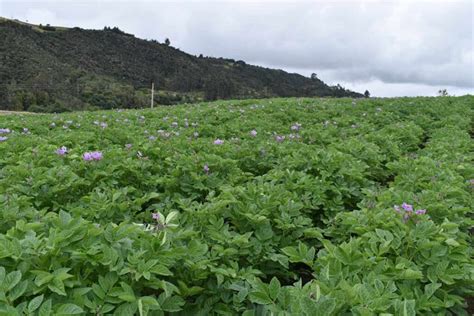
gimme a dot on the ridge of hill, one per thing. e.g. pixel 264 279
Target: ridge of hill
pixel 50 68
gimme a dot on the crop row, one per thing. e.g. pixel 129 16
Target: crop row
pixel 285 206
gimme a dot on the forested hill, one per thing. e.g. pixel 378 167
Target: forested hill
pixel 46 68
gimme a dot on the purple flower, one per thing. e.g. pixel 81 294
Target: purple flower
pixel 152 138
pixel 279 138
pixel 218 142
pixel 3 138
pixel 206 168
pixel 5 131
pixel 155 216
pixel 87 156
pixel 253 133
pixel 94 155
pixel 103 124
pixel 420 212
pixel 128 146
pixel 97 155
pixel 62 151
pixel 407 207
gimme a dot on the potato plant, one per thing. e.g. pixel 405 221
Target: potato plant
pixel 256 207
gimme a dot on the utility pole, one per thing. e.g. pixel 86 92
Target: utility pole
pixel 152 91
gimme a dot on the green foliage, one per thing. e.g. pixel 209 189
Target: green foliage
pixel 304 226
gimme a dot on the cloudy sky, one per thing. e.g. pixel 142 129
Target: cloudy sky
pixel 391 48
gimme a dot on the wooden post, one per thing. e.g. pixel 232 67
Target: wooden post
pixel 152 92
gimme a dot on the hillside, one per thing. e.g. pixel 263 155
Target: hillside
pixel 45 68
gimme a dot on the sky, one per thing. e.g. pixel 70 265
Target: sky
pixel 391 48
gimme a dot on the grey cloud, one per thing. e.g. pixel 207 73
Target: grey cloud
pixel 427 43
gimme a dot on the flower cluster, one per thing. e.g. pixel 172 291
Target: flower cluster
pixel 253 133
pixel 62 151
pixel 296 127
pixel 279 138
pixel 5 131
pixel 407 211
pixel 94 155
pixel 218 142
pixel 3 138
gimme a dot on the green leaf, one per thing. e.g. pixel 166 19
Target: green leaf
pixel 431 288
pixel 410 274
pixel 126 309
pixel 452 242
pixel 309 306
pixel 326 306
pixel 42 277
pixel 274 288
pixel 45 309
pixel 21 308
pixel 98 291
pixel 161 270
pixel 106 308
pixel 2 274
pixel 140 307
pixel 172 304
pixel 260 298
pixel 9 311
pixel 69 309
pixel 409 308
pixel 57 286
pixel 107 282
pixel 18 290
pixel 11 280
pixel 64 217
pixel 35 303
pixel 127 295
